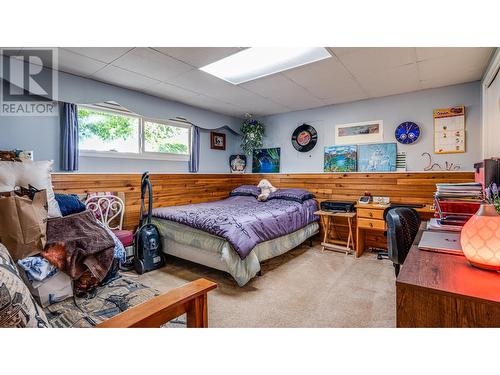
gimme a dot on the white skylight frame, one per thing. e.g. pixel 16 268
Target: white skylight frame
pixel 257 62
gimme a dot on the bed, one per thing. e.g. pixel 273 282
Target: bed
pixel 236 234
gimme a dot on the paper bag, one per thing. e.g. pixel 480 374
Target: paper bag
pixel 23 224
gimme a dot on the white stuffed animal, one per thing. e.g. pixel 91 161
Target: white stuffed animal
pixel 265 189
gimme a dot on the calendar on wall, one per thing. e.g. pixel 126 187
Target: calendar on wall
pixel 449 130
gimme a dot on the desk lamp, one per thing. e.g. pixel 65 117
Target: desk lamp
pixel 480 238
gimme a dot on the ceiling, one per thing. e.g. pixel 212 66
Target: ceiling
pixel 350 74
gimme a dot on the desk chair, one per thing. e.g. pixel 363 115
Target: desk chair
pixel 402 227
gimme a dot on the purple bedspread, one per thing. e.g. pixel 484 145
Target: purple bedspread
pixel 243 221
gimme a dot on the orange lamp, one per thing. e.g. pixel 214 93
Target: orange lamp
pixel 480 238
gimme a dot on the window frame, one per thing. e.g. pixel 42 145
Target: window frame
pixel 161 155
pixel 142 154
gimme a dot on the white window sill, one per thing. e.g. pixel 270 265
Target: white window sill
pixel 143 156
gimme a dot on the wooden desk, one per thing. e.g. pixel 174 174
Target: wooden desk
pixel 442 290
pixel 328 224
pixel 370 217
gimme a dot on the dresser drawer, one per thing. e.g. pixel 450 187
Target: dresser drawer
pixel 371 223
pixel 370 214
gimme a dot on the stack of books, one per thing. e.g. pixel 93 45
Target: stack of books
pixel 456 203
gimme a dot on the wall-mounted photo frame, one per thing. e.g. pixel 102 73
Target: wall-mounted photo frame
pixel 359 133
pixel 217 141
pixel 340 158
pixel 377 157
pixel 266 160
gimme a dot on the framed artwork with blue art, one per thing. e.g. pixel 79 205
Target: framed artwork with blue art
pixel 266 160
pixel 377 157
pixel 340 158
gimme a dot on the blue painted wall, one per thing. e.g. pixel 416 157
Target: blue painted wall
pixel 393 110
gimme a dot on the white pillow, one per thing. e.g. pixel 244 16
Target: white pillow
pixel 35 173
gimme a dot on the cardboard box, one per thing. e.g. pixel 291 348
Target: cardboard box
pixel 54 289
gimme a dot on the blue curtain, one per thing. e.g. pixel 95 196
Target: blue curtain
pixel 194 159
pixel 69 137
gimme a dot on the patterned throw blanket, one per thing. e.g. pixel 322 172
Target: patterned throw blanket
pixel 79 246
pixel 243 221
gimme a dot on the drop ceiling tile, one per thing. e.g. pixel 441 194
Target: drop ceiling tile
pixel 151 63
pixel 343 97
pixel 104 54
pixel 214 105
pixel 201 82
pixel 391 81
pixel 453 65
pixel 74 63
pixel 262 107
pixel 368 60
pixel 198 56
pixel 340 51
pixel 284 91
pixel 427 53
pixel 166 91
pixel 124 78
pixel 453 79
pixel 326 79
pixel 208 85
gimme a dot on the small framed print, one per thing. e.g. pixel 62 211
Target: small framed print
pixel 217 141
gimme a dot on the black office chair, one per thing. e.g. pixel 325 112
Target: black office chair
pixel 402 227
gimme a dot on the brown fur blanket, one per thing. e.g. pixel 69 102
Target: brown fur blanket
pixel 77 243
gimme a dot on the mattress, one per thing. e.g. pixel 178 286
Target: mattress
pixel 242 220
pixel 198 246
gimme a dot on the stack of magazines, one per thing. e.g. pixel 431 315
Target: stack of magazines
pixel 456 203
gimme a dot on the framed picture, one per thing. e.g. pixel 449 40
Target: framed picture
pixel 340 158
pixel 266 160
pixel 380 157
pixel 359 132
pixel 217 141
pixel 237 163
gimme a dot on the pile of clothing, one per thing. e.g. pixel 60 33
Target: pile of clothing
pixel 80 255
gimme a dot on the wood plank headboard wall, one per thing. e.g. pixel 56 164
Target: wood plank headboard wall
pixel 176 189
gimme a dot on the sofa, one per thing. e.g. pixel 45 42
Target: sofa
pixel 122 303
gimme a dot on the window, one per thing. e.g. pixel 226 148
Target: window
pixel 111 133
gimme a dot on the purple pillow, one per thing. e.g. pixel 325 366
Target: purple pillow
pixel 291 194
pixel 245 190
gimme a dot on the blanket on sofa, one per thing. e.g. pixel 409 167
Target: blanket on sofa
pixel 79 246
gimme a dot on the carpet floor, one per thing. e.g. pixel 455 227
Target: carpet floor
pixel 302 288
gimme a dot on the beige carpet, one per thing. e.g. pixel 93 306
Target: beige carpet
pixel 303 288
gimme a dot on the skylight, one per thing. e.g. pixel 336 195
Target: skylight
pixel 257 62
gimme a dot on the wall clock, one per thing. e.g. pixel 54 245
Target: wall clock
pixel 304 138
pixel 407 133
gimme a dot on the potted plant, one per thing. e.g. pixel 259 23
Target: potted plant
pixel 253 134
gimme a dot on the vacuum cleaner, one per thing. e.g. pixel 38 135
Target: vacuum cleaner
pixel 147 248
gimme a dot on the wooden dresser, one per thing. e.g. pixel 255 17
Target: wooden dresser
pixel 442 290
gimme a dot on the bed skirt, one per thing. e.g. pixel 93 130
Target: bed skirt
pixel 203 248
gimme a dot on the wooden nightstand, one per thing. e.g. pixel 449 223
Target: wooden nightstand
pixel 329 227
pixel 370 217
